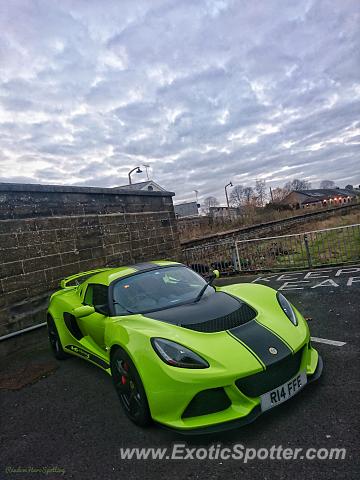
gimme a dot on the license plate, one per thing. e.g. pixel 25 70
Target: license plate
pixel 284 392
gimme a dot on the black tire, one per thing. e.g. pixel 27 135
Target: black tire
pixel 130 389
pixel 55 342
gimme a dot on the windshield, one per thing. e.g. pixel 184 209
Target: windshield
pixel 157 290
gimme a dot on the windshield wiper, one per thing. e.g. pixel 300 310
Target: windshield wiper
pixel 214 275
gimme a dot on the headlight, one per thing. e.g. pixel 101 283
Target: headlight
pixel 288 310
pixel 177 355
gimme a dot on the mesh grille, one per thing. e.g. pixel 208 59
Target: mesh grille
pixel 206 402
pixel 274 376
pixel 240 316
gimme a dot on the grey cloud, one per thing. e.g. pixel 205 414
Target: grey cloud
pixel 205 91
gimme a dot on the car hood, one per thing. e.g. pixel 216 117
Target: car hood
pixel 213 313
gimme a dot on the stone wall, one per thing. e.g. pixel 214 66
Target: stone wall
pixel 49 232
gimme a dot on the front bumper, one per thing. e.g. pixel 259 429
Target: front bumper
pixel 241 422
pixel 318 371
pixel 243 410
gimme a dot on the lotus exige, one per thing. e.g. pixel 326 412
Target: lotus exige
pixel 182 352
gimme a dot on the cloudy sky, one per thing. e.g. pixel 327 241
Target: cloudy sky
pixel 205 91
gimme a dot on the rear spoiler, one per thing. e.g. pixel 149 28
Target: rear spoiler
pixel 79 277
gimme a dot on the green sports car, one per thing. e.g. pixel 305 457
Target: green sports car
pixel 181 352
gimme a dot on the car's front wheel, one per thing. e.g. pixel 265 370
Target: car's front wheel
pixel 55 342
pixel 129 388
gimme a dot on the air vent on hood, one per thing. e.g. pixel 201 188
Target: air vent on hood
pixel 215 312
pixel 238 317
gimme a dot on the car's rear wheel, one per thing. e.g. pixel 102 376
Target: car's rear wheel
pixel 129 388
pixel 55 342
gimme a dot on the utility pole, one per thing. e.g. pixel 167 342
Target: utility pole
pixel 271 195
pixel 146 168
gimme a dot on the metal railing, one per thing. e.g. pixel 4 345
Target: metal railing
pixel 332 246
pixel 220 255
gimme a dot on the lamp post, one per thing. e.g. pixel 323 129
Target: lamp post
pixel 226 194
pixel 133 170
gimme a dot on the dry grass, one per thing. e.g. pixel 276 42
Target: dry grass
pixel 332 222
pixel 257 217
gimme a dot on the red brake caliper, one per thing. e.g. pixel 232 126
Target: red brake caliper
pixel 124 377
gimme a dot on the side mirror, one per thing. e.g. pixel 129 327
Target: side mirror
pixel 216 273
pixel 83 311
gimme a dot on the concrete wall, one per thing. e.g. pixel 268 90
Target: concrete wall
pixel 49 232
pixel 187 209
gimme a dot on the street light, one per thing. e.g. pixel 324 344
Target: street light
pixel 133 170
pixel 226 194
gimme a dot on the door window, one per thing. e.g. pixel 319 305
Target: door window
pixel 97 296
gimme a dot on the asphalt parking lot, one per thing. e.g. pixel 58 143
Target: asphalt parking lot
pixel 70 421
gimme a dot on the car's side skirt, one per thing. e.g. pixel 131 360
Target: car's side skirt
pixel 81 352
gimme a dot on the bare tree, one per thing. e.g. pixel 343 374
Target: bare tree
pixel 279 194
pixel 260 188
pixel 297 184
pixel 209 202
pixel 249 196
pixel 237 196
pixel 242 196
pixel 327 184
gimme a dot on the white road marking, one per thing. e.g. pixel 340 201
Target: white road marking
pixel 316 274
pixel 265 279
pixel 328 342
pixel 309 273
pixel 293 285
pixel 312 279
pixel 326 283
pixel 347 270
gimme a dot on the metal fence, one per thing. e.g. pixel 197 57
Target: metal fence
pixel 332 246
pixel 220 255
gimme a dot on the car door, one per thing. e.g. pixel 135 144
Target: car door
pixel 93 325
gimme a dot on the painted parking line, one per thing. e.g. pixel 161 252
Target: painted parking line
pixel 328 342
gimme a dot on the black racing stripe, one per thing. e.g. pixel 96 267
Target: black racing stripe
pixel 281 339
pixel 259 339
